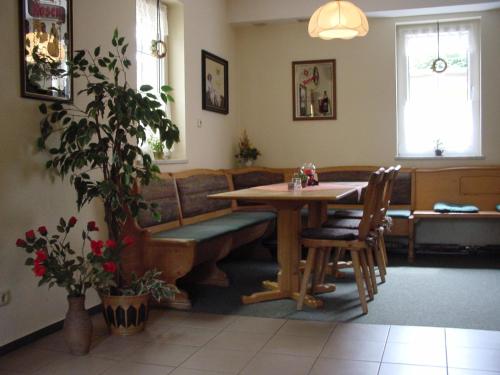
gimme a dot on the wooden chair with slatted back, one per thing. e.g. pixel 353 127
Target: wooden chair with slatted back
pixel 356 241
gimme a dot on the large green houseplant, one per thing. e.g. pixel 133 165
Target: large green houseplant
pixel 98 147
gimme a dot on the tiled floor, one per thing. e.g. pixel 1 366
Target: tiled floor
pixel 181 343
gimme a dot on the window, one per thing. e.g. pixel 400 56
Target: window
pixel 150 69
pixel 439 107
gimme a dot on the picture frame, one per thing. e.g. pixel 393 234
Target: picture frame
pixel 314 87
pixel 214 78
pixel 46 46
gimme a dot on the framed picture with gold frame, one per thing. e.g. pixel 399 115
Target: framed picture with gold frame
pixel 314 90
pixel 46 41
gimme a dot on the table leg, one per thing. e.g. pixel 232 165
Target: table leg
pixel 288 284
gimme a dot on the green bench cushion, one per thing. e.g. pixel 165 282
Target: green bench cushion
pixel 444 207
pixel 498 207
pixel 357 214
pixel 212 228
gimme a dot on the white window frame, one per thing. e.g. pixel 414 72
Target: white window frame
pixel 402 91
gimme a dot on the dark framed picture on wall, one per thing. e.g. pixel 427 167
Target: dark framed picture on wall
pixel 46 45
pixel 314 90
pixel 214 78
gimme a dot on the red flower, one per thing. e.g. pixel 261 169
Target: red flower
pixel 42 230
pixel 41 256
pixel 110 244
pixel 21 243
pixel 128 240
pixel 91 227
pixel 30 235
pixel 39 270
pixel 109 267
pixel 96 247
pixel 72 221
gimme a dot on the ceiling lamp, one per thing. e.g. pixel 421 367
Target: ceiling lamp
pixel 338 19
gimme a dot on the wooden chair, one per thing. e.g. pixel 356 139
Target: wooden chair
pixel 380 225
pixel 320 241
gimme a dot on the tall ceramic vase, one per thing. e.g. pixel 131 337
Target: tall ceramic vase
pixel 77 327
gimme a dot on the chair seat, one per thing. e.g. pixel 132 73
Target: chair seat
pixel 342 223
pixel 357 214
pixel 212 228
pixel 330 234
pixel 305 212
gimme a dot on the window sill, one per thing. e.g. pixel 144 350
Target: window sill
pixel 171 161
pixel 481 157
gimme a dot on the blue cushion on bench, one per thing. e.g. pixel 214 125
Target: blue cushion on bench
pixel 498 207
pixel 453 207
pixel 212 228
pixel 403 214
pixel 357 214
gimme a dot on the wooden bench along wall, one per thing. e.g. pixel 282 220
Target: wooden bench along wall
pixel 195 232
pixel 402 200
pixel 479 186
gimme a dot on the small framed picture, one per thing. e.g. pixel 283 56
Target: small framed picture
pixel 314 90
pixel 46 39
pixel 214 72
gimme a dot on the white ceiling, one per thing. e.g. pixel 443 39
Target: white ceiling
pixel 259 11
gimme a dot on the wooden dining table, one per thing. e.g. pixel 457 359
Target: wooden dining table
pixel 288 205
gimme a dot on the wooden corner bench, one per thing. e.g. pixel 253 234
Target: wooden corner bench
pixel 479 186
pixel 194 233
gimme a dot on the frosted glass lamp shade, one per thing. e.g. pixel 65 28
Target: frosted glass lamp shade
pixel 338 19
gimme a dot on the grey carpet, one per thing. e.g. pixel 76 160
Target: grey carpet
pixel 460 291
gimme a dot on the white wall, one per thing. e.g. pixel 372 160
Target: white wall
pixel 29 198
pixel 206 27
pixel 365 129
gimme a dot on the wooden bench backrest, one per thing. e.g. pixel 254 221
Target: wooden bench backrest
pixel 193 186
pixel 402 196
pixel 163 192
pixel 479 186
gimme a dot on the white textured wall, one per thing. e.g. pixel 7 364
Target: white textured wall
pixel 365 129
pixel 28 196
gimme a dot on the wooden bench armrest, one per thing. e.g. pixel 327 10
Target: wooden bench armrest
pixel 419 214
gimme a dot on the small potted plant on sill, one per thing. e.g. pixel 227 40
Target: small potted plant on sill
pixel 158 149
pixel 56 262
pixel 247 154
pixel 438 149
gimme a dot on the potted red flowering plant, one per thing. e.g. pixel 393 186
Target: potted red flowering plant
pixel 56 262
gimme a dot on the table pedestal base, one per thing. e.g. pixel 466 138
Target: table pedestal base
pixel 273 293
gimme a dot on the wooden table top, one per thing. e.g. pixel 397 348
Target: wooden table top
pixel 326 191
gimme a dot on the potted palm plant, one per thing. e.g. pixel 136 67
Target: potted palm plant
pixel 98 147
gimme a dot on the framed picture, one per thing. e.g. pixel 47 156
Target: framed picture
pixel 46 41
pixel 314 90
pixel 214 73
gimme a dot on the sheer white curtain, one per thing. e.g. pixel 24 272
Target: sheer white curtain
pixel 150 70
pixel 439 106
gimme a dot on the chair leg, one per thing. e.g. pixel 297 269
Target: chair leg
pixel 335 261
pixel 325 259
pixel 366 274
pixel 311 255
pixel 359 281
pixel 371 267
pixel 380 261
pixel 383 249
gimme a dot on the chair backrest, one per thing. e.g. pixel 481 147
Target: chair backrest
pixel 390 175
pixel 373 197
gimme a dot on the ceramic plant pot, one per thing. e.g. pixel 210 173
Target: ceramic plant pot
pixel 125 315
pixel 77 329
